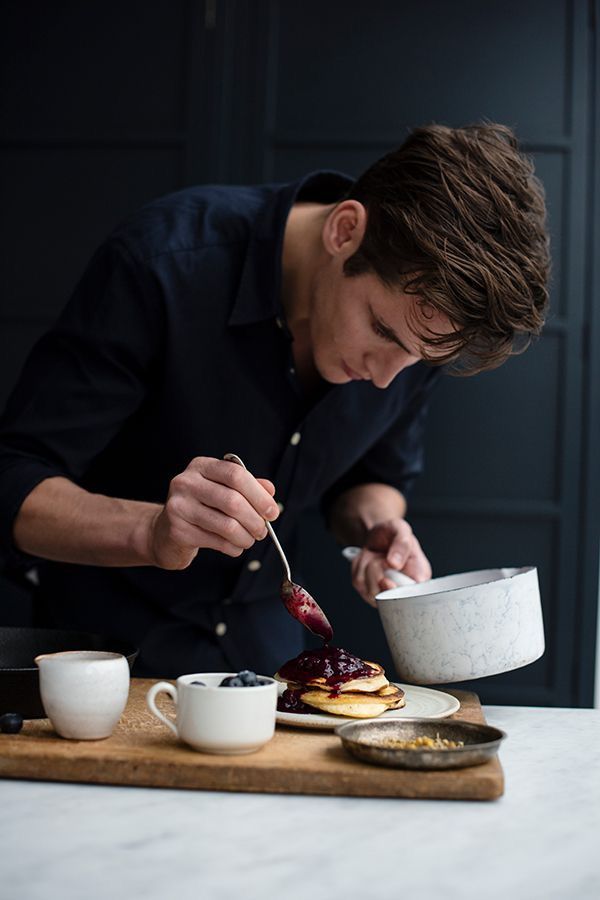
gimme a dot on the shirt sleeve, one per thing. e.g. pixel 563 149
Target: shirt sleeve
pixel 81 381
pixel 397 457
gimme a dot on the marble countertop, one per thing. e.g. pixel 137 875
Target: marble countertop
pixel 540 840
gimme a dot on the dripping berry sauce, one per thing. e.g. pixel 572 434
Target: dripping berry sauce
pixel 335 665
pixel 290 702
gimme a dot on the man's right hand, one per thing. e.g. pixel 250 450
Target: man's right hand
pixel 213 504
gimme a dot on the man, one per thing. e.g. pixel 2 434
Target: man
pixel 300 326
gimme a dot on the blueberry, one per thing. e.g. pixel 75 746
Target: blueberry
pixel 201 683
pixel 11 723
pixel 248 678
pixel 262 681
pixel 232 681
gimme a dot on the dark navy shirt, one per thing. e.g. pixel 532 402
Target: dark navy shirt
pixel 175 345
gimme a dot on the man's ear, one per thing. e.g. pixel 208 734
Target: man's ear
pixel 344 229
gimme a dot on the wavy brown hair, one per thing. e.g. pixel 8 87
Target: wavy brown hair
pixel 457 217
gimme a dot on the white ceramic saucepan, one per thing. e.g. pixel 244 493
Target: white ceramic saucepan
pixel 464 626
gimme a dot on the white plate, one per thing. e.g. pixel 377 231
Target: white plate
pixel 420 703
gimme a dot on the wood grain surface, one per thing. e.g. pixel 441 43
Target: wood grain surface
pixel 143 752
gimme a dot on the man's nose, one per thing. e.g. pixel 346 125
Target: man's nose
pixel 384 368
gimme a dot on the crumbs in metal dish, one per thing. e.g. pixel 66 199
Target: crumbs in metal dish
pixel 421 743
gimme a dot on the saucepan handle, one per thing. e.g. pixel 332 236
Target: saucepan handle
pixel 162 687
pixel 399 578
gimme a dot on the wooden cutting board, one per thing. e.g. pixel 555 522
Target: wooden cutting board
pixel 143 752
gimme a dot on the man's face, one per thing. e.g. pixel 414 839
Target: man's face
pixel 361 329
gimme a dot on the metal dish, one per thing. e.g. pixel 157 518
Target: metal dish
pixel 367 741
pixel 19 677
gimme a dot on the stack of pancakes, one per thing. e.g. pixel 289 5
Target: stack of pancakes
pixel 358 698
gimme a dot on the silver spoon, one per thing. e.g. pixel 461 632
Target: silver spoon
pixel 296 599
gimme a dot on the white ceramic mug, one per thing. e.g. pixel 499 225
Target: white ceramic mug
pixel 83 692
pixel 217 719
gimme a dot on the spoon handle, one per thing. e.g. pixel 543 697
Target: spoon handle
pixel 286 565
pixel 232 457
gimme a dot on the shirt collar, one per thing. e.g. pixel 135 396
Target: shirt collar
pixel 259 293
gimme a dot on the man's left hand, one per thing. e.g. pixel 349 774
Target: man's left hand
pixel 389 545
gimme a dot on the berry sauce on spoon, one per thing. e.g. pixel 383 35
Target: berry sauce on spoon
pixel 305 609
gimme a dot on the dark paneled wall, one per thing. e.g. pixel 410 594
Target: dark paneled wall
pixel 92 127
pixel 105 105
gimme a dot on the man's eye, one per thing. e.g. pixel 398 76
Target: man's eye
pixel 380 331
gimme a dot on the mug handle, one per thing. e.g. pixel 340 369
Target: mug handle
pixel 160 688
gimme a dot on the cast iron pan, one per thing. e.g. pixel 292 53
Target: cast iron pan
pixel 19 681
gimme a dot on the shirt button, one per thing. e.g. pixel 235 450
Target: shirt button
pixel 281 506
pixel 227 601
pixel 295 438
pixel 292 370
pixel 254 565
pixel 220 629
pixel 279 322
